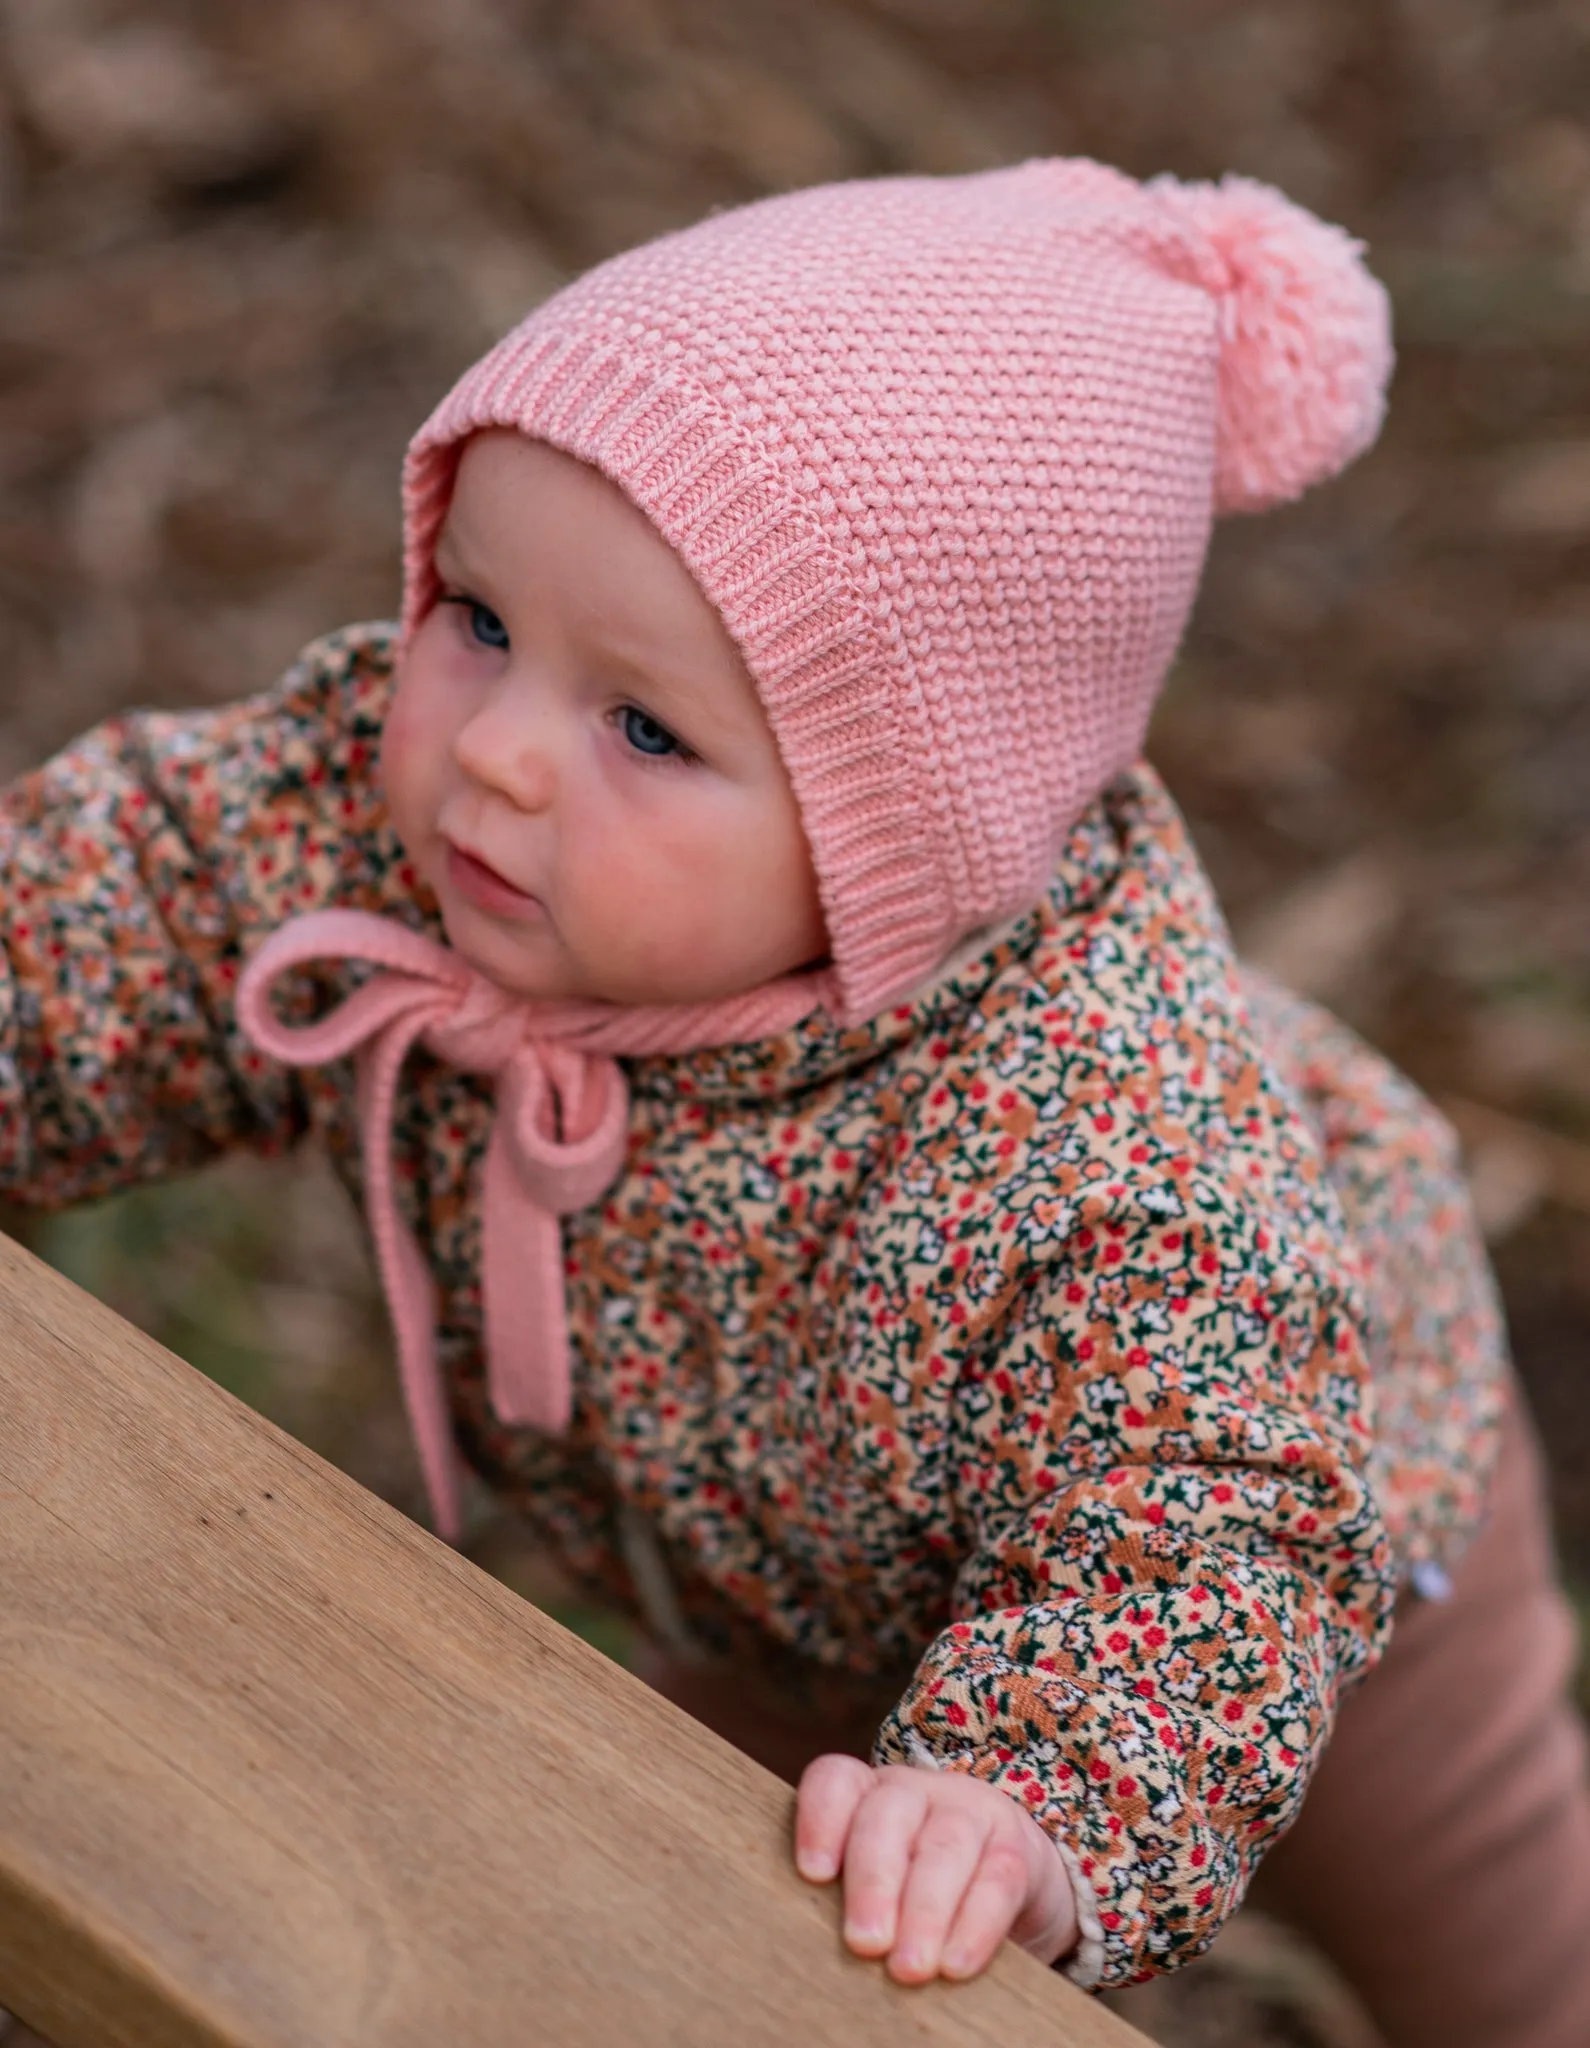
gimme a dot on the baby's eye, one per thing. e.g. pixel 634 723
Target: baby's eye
pixel 485 626
pixel 645 735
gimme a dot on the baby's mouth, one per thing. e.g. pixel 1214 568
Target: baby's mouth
pixel 479 883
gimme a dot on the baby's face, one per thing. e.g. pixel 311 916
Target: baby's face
pixel 576 758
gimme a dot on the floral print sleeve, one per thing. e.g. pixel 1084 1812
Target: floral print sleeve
pixel 136 869
pixel 1157 1444
pixel 1171 1579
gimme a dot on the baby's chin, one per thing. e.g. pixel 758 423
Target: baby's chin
pixel 539 967
pixel 539 971
pixel 536 972
pixel 550 981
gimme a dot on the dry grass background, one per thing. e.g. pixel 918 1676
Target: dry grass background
pixel 244 246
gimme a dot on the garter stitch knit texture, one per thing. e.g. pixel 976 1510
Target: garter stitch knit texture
pixel 944 453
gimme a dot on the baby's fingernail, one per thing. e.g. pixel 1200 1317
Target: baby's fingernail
pixel 959 1963
pixel 816 1866
pixel 865 1934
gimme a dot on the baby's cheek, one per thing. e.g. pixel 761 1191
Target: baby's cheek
pixel 413 746
pixel 654 910
pixel 402 802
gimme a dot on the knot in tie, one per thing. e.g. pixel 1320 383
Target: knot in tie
pixel 561 1110
pixel 480 1031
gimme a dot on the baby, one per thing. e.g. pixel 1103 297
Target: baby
pixel 823 1161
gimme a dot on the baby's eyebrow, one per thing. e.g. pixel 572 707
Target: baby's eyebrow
pixel 681 682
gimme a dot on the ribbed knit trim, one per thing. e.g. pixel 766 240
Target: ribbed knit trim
pixel 807 630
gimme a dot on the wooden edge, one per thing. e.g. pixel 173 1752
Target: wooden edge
pixel 278 1769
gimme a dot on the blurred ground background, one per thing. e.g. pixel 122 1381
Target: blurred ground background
pixel 244 247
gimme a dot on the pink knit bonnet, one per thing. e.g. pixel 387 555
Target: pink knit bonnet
pixel 943 453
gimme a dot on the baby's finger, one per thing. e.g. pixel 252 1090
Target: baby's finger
pixel 831 1789
pixel 878 1858
pixel 949 1850
pixel 989 1908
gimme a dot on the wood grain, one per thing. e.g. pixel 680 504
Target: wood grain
pixel 277 1770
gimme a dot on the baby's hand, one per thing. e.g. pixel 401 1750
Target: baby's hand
pixel 939 1868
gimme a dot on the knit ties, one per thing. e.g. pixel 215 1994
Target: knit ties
pixel 557 1141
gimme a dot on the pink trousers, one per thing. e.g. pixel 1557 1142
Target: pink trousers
pixel 1442 1857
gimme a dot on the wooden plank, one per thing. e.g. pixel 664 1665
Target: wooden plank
pixel 277 1769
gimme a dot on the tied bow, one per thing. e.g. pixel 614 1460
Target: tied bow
pixel 556 1145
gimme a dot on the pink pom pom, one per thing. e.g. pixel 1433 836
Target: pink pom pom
pixel 1305 332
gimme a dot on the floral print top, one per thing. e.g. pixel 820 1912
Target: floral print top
pixel 1018 1351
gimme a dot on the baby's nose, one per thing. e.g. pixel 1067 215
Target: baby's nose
pixel 510 756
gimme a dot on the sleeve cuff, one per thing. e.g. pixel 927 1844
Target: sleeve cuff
pixel 1085 1964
